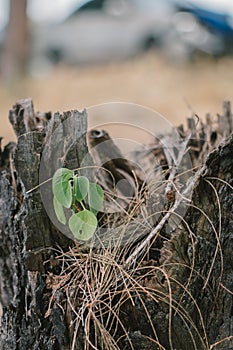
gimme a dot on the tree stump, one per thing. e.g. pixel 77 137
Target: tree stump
pixel 182 302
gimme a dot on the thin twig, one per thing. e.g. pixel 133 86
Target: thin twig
pixel 162 222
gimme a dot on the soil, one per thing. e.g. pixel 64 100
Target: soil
pixel 174 89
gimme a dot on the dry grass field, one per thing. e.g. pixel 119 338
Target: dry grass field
pixel 174 89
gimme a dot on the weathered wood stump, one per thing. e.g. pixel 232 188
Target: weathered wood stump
pixel 183 301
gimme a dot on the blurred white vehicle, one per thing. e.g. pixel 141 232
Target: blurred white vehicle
pixel 103 30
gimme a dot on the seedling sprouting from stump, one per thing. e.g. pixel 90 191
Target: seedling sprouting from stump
pixel 70 191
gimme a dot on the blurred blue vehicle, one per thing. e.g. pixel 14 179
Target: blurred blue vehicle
pixel 216 18
pixel 104 30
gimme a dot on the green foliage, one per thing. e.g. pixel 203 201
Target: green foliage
pixel 95 197
pixel 83 224
pixel 81 187
pixel 62 188
pixel 59 211
pixel 70 191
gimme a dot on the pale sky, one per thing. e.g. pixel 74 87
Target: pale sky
pixel 40 9
pixel 50 9
pixel 57 9
pixel 3 13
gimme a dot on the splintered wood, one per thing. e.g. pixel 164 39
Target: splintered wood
pixel 171 160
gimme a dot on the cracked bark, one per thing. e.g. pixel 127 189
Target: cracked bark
pixel 27 240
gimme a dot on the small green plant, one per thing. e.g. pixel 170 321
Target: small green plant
pixel 70 191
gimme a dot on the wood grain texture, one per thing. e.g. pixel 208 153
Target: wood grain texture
pixel 199 265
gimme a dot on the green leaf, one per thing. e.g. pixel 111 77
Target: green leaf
pixel 83 225
pixel 62 188
pixel 95 197
pixel 59 211
pixel 81 187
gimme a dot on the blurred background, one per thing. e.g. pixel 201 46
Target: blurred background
pixel 174 56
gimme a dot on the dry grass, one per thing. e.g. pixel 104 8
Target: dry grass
pixel 97 284
pixel 151 80
pixel 110 285
pixel 104 290
pixel 100 284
